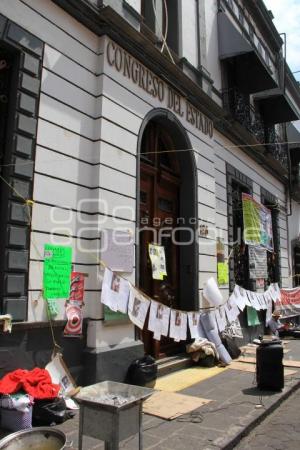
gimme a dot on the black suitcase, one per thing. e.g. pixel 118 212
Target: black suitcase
pixel 269 366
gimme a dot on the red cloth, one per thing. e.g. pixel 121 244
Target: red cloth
pixel 36 382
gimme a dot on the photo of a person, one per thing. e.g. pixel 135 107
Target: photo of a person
pixel 65 382
pixel 115 283
pixel 159 311
pixel 136 307
pixel 178 319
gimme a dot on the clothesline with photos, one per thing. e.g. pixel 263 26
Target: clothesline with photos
pixel 119 294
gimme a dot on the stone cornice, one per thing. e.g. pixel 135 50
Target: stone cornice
pixel 105 21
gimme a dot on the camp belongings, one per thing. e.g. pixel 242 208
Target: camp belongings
pixel 30 396
pixel 201 349
pixel 36 382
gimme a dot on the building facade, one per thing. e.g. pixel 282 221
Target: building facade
pixel 138 116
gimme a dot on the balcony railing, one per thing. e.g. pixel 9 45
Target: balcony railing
pixel 277 150
pixel 237 104
pixel 248 28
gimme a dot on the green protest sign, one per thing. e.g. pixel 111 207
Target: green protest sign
pixel 223 273
pixel 252 317
pixel 111 316
pixel 251 217
pixel 57 271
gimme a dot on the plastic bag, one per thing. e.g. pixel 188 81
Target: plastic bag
pixel 50 412
pixel 142 371
pixel 231 347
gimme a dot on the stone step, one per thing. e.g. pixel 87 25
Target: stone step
pixel 170 364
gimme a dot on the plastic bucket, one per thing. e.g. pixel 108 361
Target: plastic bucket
pixel 40 438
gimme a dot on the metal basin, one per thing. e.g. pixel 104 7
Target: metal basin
pixel 40 438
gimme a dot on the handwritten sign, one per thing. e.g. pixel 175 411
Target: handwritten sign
pixel 57 271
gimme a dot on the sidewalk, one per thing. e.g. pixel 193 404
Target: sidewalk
pixel 218 425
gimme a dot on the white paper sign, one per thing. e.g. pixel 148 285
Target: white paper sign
pixel 238 298
pixel 269 309
pixel 159 319
pixel 138 306
pixel 258 267
pixel 232 306
pixel 253 300
pixel 221 318
pixel 275 290
pixel 117 250
pixel 115 291
pixel 158 261
pixel 231 312
pixel 60 374
pixel 262 300
pixel 243 293
pixel 178 325
pixel 234 330
pixel 194 320
pixel 212 292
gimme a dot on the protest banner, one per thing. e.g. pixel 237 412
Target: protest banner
pixel 57 271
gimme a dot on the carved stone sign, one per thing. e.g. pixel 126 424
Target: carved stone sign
pixel 132 69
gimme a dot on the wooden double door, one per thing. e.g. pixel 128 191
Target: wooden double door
pixel 159 212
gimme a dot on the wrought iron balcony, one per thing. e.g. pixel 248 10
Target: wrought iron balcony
pixel 295 165
pixel 237 104
pixel 275 148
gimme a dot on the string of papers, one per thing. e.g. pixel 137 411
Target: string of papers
pixel 120 295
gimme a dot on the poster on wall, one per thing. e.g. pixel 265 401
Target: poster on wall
pixel 266 230
pixel 117 250
pixel 57 271
pixel 223 273
pixel 74 320
pixel 220 250
pixel 257 223
pixel 158 261
pixel 251 219
pixel 258 266
pixel 77 287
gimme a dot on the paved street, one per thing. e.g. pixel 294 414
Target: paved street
pixel 219 424
pixel 278 431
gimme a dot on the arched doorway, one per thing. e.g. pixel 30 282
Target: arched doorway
pixel 167 215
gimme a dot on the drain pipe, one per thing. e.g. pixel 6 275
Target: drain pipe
pixel 198 36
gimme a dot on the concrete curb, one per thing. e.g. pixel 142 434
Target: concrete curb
pixel 255 422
